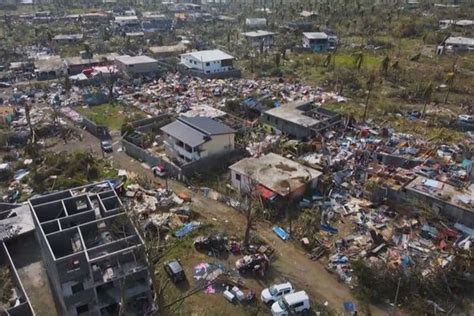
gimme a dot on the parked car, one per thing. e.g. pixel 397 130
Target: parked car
pixel 106 146
pixel 466 118
pixel 253 263
pixel 159 171
pixel 275 292
pixel 214 243
pixel 4 84
pixel 174 270
pixel 291 304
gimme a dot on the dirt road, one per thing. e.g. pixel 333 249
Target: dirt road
pixel 291 264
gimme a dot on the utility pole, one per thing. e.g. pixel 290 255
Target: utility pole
pixel 396 297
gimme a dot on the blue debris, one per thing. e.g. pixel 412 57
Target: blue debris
pixel 281 232
pixel 329 229
pixel 349 307
pixel 186 229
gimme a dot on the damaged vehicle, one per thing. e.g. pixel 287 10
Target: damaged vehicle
pixel 257 263
pixel 216 243
pixel 175 271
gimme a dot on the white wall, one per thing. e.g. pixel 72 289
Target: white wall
pixel 217 144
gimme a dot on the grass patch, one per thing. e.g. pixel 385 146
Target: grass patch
pixel 111 115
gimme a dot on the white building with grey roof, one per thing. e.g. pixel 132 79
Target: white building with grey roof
pixel 208 61
pixel 192 138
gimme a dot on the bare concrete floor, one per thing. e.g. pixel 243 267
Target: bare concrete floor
pixel 26 256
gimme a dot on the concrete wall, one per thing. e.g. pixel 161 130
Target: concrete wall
pixel 234 73
pixel 213 163
pixel 147 157
pixel 139 68
pixel 99 131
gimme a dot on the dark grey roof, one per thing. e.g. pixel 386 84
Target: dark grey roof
pixel 184 133
pixel 207 125
pixel 195 131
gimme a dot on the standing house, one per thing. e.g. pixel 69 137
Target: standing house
pixel 300 119
pixel 192 138
pixel 153 22
pixel 318 41
pixel 459 44
pixel 273 176
pixel 137 65
pixel 208 61
pixel 63 39
pixel 254 23
pixel 257 39
pixel 94 257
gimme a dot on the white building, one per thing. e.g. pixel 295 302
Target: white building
pixel 68 38
pixel 126 21
pixel 136 65
pixel 459 43
pixel 255 22
pixel 257 38
pixel 192 138
pixel 208 61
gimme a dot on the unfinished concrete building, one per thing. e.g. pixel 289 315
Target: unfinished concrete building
pixel 94 256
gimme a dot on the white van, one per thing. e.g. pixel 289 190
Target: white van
pixel 291 303
pixel 275 292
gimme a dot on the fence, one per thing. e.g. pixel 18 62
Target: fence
pixel 156 122
pixel 150 159
pixel 213 163
pixel 99 131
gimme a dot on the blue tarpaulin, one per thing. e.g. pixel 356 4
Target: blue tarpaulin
pixel 349 307
pixel 281 232
pixel 186 229
pixel 329 229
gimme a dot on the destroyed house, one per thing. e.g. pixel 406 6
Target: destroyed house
pixel 273 176
pixel 192 138
pixel 301 119
pixel 15 224
pixel 94 257
pixel 454 203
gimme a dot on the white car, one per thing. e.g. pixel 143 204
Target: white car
pixel 291 304
pixel 275 292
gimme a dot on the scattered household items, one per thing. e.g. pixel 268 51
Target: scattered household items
pixel 215 243
pixel 256 263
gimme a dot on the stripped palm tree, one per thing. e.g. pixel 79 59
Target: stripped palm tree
pixel 427 97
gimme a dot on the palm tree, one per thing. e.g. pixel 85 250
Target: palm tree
pixel 427 97
pixel 370 86
pixel 359 60
pixel 450 82
pixel 384 65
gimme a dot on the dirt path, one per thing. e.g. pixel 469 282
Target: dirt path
pixel 291 264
